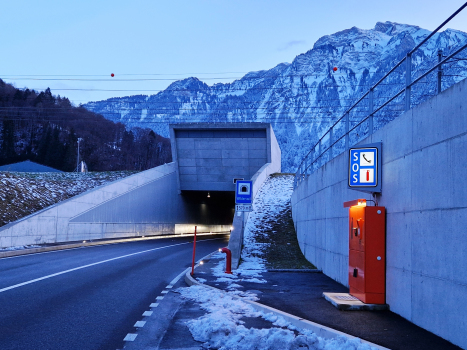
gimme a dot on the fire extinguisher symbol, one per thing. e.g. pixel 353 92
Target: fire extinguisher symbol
pixel 367 175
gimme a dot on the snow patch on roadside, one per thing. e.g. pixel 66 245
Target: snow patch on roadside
pixel 222 327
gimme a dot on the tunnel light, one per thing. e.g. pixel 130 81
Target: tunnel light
pixel 201 262
pixel 209 196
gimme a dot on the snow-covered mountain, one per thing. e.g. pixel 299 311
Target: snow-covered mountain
pixel 300 99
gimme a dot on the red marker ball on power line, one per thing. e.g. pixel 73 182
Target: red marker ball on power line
pixel 112 75
pixel 334 69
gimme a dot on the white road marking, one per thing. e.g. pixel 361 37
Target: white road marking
pixel 164 292
pixel 130 337
pixel 147 313
pixel 140 324
pixel 159 298
pixel 85 266
pixel 169 287
pixel 154 305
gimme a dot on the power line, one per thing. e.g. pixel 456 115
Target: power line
pixel 257 75
pixel 152 107
pixel 227 92
pixel 169 119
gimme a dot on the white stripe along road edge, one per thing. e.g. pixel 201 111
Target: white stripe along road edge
pixel 93 264
pixel 85 266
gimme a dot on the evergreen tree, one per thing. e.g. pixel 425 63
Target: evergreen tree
pixel 8 153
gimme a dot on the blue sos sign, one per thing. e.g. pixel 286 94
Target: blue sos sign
pixel 365 168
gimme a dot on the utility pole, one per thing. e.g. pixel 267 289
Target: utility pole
pixel 77 161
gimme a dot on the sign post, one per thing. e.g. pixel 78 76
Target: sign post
pixel 243 195
pixel 365 168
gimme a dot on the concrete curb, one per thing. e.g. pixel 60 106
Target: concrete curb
pixel 320 330
pixel 12 253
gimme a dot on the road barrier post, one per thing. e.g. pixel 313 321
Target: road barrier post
pixel 194 252
pixel 228 259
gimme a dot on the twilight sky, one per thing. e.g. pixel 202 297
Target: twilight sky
pixel 73 47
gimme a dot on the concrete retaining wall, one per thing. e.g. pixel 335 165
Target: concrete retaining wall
pixel 425 194
pixel 147 203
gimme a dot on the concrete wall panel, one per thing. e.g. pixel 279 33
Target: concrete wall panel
pixel 255 144
pixel 187 170
pixel 425 195
pixel 399 291
pixel 234 144
pixel 208 162
pixel 457 188
pixel 207 144
pixel 225 147
pixel 186 153
pixel 185 144
pixel 208 153
pixel 187 162
pixel 235 154
pixel 445 311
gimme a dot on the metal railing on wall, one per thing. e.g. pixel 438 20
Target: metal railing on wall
pixel 349 129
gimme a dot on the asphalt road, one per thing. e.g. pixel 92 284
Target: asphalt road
pixel 88 298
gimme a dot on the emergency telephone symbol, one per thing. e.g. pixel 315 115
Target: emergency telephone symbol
pixel 367 158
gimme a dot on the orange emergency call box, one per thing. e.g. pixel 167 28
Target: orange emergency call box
pixel 367 252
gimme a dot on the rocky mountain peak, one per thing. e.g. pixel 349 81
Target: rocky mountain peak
pixel 302 99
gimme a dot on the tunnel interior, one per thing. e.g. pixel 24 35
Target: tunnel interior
pixel 210 207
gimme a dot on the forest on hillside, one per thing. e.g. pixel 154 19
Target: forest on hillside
pixel 44 128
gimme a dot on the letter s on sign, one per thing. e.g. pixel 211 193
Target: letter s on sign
pixel 355 179
pixel 355 156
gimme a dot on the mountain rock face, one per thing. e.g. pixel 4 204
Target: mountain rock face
pixel 304 98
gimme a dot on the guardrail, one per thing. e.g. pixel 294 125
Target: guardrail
pixel 349 129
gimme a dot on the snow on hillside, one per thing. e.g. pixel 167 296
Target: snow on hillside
pixel 303 98
pixel 22 194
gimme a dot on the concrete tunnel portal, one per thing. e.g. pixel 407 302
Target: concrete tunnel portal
pixel 210 157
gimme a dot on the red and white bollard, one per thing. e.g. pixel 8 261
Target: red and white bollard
pixel 228 261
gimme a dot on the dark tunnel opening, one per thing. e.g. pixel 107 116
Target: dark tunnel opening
pixel 210 207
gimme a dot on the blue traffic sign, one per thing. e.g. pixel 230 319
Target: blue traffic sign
pixel 364 168
pixel 244 192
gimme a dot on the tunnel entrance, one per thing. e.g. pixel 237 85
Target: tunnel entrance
pixel 210 207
